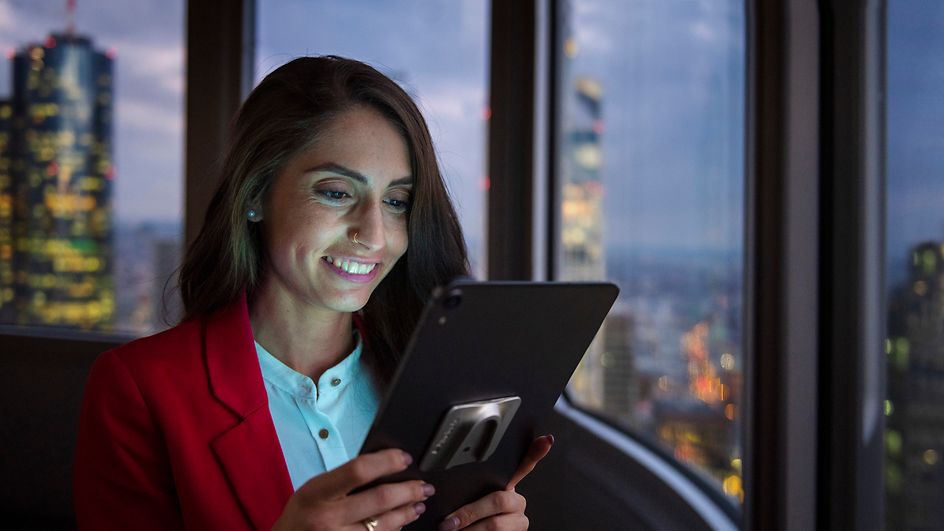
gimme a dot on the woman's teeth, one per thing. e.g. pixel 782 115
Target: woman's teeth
pixel 354 268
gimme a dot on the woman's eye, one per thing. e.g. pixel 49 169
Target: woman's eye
pixel 398 205
pixel 333 195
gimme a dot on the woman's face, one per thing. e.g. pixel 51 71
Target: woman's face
pixel 354 181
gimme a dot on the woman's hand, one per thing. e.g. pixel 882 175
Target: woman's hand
pixel 504 509
pixel 324 501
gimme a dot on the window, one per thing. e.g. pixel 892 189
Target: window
pixel 651 180
pixel 91 140
pixel 436 50
pixel 914 439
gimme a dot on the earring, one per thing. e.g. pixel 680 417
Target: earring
pixel 254 215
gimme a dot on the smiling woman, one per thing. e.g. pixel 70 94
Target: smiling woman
pixel 329 230
pixel 337 216
pixel 294 132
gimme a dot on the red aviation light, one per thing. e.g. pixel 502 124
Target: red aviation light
pixel 110 173
pixel 111 53
pixel 50 42
pixel 11 53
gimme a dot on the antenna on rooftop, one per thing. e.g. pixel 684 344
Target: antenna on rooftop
pixel 70 12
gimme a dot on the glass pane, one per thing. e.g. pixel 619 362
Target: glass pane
pixel 652 180
pixel 91 140
pixel 436 50
pixel 914 441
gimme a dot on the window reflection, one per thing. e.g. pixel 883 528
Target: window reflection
pixel 651 173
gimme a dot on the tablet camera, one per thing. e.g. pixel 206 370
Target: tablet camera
pixel 453 299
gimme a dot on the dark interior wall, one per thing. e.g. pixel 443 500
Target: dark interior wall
pixel 41 383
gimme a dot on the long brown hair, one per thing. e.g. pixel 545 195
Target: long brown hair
pixel 282 116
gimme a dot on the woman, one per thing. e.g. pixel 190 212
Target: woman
pixel 329 229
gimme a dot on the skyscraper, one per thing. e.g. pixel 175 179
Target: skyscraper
pixel 6 213
pixel 61 184
pixel 581 226
pixel 914 438
pixel 582 193
pixel 620 390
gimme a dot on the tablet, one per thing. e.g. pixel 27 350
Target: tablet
pixel 486 362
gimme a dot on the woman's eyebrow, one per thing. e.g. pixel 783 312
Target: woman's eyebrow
pixel 334 167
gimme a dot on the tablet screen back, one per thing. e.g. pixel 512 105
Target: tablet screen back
pixel 478 341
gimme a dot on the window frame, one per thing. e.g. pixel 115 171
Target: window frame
pixel 808 187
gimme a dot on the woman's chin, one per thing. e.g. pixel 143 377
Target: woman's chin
pixel 349 303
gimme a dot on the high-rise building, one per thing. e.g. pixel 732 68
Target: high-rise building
pixel 6 213
pixel 168 308
pixel 620 390
pixel 914 439
pixel 582 188
pixel 62 183
pixel 581 226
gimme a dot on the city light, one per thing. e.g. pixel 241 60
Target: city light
pixel 930 457
pixel 732 486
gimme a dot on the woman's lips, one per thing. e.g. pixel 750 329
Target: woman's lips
pixel 352 269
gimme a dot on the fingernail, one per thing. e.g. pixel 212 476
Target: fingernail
pixel 449 524
pixel 419 508
pixel 428 490
pixel 407 458
pixel 551 437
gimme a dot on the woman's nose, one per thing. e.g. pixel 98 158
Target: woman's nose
pixel 367 230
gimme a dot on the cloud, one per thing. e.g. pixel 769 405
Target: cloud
pixel 17 29
pixel 591 28
pixel 156 64
pixel 6 17
pixel 453 99
pixel 144 115
pixel 703 31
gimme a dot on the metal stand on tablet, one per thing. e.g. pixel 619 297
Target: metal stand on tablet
pixel 469 432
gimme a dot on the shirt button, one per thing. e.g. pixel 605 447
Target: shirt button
pixel 323 433
pixel 335 382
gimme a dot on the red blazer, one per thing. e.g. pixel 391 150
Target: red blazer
pixel 176 433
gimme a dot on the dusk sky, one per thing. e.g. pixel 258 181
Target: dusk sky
pixel 671 72
pixel 915 114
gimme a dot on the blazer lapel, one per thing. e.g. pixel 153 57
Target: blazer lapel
pixel 249 452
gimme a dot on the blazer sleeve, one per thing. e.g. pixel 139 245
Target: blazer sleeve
pixel 123 478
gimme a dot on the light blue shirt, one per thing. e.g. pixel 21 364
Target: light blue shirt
pixel 323 426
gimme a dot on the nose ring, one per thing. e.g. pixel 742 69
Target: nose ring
pixel 355 239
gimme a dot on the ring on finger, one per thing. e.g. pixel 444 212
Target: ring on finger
pixel 370 524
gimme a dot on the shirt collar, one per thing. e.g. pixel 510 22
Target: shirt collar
pixel 295 383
